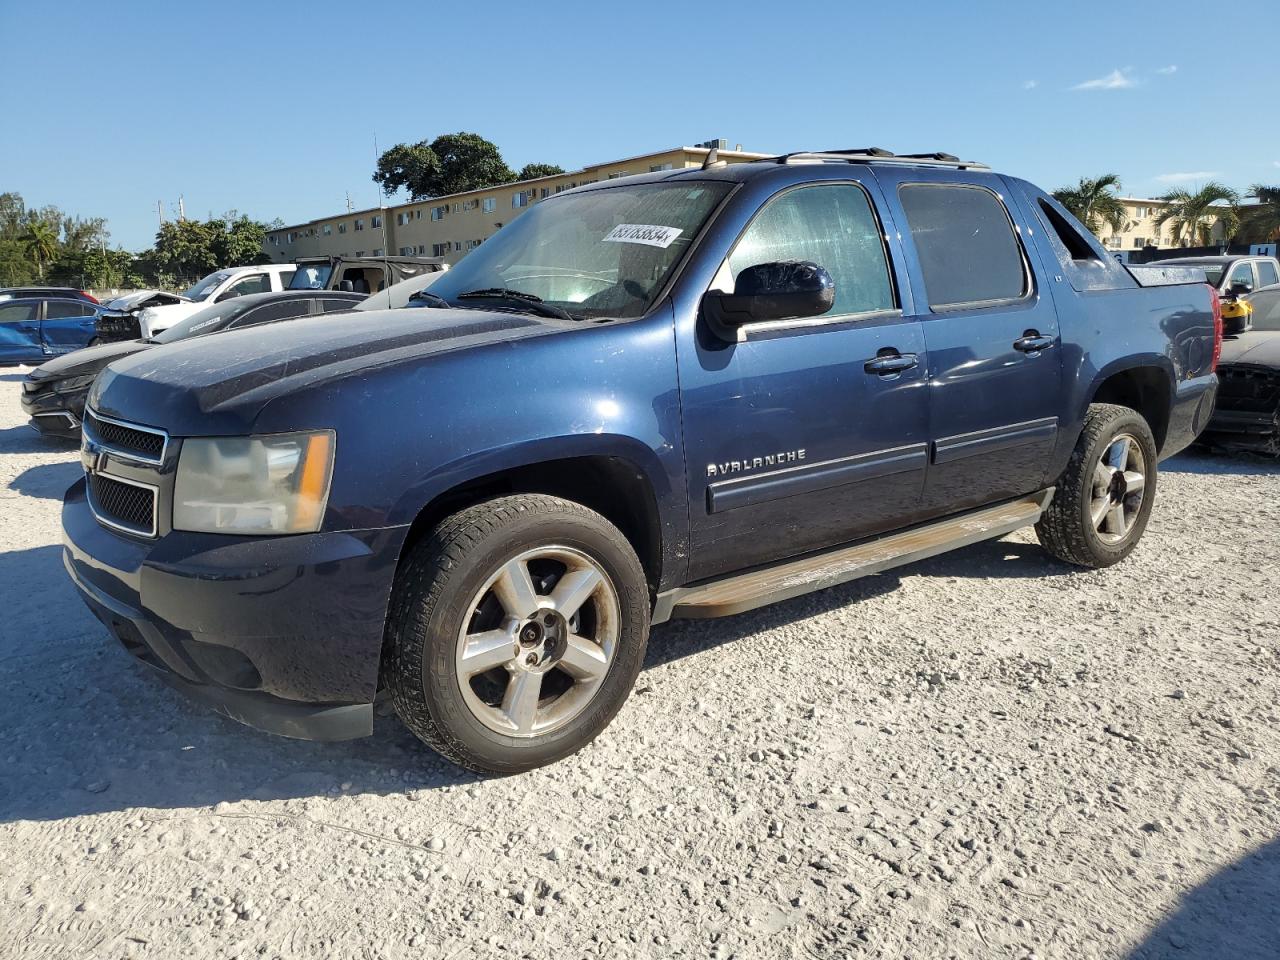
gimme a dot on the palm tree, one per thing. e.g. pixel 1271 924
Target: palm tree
pixel 1193 214
pixel 1263 221
pixel 41 242
pixel 1095 203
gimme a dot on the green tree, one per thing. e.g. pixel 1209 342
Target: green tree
pixel 532 171
pixel 185 248
pixel 1095 202
pixel 451 163
pixel 41 240
pixel 1261 223
pixel 239 241
pixel 1193 214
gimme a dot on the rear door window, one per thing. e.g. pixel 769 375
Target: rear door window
pixel 969 254
pixel 253 283
pixel 333 306
pixel 833 226
pixel 17 312
pixel 270 312
pixel 1267 274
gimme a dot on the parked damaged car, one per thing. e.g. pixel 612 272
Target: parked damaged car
pixel 148 312
pixel 36 324
pixel 1247 413
pixel 53 394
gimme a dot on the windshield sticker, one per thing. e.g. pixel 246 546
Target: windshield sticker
pixel 648 234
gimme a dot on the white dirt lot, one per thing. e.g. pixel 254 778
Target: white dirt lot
pixel 984 755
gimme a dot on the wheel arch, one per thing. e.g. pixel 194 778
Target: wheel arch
pixel 1145 387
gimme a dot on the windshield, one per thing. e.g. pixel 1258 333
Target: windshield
pixel 206 286
pixel 311 276
pixel 603 253
pixel 209 320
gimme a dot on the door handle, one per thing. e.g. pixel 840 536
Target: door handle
pixel 892 364
pixel 1032 342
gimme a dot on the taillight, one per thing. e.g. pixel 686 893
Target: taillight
pixel 1217 327
pixel 89 296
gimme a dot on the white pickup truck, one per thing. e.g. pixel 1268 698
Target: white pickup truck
pixel 147 312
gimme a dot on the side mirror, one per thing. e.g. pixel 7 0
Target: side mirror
pixel 225 296
pixel 1240 288
pixel 346 286
pixel 786 290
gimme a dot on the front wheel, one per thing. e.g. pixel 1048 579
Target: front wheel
pixel 1104 499
pixel 516 632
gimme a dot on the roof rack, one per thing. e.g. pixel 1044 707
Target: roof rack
pixel 877 155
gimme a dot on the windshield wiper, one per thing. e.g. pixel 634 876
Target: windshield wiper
pixel 432 298
pixel 529 301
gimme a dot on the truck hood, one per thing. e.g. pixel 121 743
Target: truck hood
pixel 88 360
pixel 212 386
pixel 1260 348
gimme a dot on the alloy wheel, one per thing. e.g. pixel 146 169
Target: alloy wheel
pixel 1119 484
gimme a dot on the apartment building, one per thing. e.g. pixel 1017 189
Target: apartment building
pixel 1141 230
pixel 450 226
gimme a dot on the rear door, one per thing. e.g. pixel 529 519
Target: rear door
pixel 20 332
pixel 67 325
pixel 995 369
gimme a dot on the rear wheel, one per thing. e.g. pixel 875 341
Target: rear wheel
pixel 516 632
pixel 1103 501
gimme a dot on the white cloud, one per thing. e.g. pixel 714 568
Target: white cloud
pixel 1275 163
pixel 1115 80
pixel 1191 177
pixel 1030 84
pixel 1171 68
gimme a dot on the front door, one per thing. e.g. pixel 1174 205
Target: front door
pixel 807 433
pixel 995 358
pixel 20 332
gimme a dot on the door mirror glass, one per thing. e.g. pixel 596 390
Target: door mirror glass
pixel 782 290
pixel 1240 288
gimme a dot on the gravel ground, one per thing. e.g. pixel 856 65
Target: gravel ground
pixel 984 755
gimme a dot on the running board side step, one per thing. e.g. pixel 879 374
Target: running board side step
pixel 761 586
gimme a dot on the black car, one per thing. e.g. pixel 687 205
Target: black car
pixel 53 394
pixel 1247 413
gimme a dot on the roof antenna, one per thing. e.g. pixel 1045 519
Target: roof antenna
pixel 713 158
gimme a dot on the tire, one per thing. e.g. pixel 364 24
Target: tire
pixel 463 668
pixel 1099 512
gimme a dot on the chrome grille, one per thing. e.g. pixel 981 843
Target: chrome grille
pixel 141 443
pixel 124 505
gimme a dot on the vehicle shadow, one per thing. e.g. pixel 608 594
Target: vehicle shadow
pixel 1235 914
pixel 1203 462
pixel 23 439
pixel 47 480
pixel 12 377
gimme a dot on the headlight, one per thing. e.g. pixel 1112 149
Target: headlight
pixel 269 484
pixel 74 383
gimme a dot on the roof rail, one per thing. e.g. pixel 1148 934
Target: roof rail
pixel 877 155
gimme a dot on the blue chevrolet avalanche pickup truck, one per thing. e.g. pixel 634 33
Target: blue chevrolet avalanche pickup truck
pixel 685 394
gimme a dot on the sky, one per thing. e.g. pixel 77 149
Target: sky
pixel 273 109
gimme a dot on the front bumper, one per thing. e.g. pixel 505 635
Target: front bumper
pixel 281 633
pixel 54 414
pixel 1247 415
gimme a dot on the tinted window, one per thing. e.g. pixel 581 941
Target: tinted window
pixel 966 244
pixel 17 312
pixel 331 306
pixel 1241 273
pixel 61 309
pixel 835 228
pixel 286 278
pixel 1267 273
pixel 1266 310
pixel 269 312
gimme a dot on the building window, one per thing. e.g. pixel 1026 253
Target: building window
pixel 328 230
pixel 376 222
pixel 377 252
pixel 620 173
pixel 359 253
pixel 440 249
pixel 359 224
pixel 273 240
pixel 457 246
pixel 654 168
pixel 489 205
pixel 406 251
pixel 519 200
pixel 544 193
pixel 417 214
pixel 342 228
pixel 1139 242
pixel 292 235
pixel 438 213
pixel 455 208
